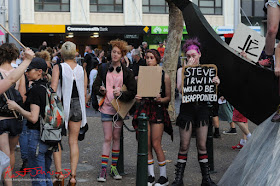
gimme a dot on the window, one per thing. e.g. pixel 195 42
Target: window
pixel 155 7
pixel 253 8
pixel 210 7
pixel 52 5
pixel 106 6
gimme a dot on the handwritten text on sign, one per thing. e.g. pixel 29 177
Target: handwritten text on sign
pixel 197 83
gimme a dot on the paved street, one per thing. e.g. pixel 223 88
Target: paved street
pixel 90 156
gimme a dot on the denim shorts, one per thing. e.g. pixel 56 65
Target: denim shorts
pixel 11 126
pixel 75 110
pixel 272 3
pixel 108 117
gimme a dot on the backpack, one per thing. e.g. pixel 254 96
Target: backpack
pixel 51 125
pixel 12 94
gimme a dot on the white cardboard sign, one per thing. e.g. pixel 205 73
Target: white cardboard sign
pixel 249 41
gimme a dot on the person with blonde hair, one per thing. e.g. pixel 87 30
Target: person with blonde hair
pixel 73 94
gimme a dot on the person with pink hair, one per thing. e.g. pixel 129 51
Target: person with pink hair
pixel 193 116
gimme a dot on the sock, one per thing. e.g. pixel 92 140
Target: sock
pixel 162 168
pixel 182 158
pixel 242 142
pixel 202 158
pixel 217 130
pixel 104 160
pixel 151 168
pixel 248 136
pixel 115 157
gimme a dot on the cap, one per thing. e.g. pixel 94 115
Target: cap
pixel 38 63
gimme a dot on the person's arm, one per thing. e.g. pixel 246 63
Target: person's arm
pixel 85 84
pixel 55 77
pixel 179 79
pixel 22 88
pixel 167 97
pixel 31 116
pixel 16 74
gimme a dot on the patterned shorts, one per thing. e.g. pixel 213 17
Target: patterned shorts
pixel 272 3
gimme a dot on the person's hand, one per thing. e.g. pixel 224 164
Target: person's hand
pixel 244 54
pixel 216 80
pixel 12 105
pixel 158 98
pixel 191 61
pixel 102 90
pixel 117 92
pixel 277 70
pixel 138 98
pixel 28 54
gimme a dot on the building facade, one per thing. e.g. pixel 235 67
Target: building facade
pixel 95 22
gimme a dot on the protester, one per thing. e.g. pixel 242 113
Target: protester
pixel 73 94
pixel 89 60
pixel 16 74
pixel 144 47
pixel 10 127
pixel 273 19
pixel 193 116
pixel 101 57
pixel 109 85
pixel 39 155
pixel 137 61
pixel 161 49
pixel 159 121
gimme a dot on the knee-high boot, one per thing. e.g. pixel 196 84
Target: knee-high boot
pixel 206 180
pixel 179 174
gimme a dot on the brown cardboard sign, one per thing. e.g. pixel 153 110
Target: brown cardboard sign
pixel 149 81
pixel 122 107
pixel 197 83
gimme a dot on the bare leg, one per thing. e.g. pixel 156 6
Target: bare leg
pixel 150 151
pixel 4 146
pixel 216 123
pixel 117 135
pixel 156 135
pixel 108 132
pixel 13 141
pixel 273 18
pixel 57 161
pixel 243 127
pixel 232 125
pixel 74 129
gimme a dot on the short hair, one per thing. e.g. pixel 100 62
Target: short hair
pixel 8 53
pixel 68 50
pixel 190 42
pixel 90 47
pixel 136 52
pixel 44 54
pixel 122 45
pixel 144 43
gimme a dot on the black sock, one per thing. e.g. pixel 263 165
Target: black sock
pixel 217 130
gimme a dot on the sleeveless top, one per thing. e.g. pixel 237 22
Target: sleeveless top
pixel 68 77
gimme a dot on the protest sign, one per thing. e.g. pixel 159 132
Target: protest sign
pixel 197 83
pixel 249 41
pixel 149 81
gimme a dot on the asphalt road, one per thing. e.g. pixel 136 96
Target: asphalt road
pixel 90 156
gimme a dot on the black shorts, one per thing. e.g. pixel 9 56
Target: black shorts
pixel 75 110
pixel 215 109
pixel 11 126
pixel 193 113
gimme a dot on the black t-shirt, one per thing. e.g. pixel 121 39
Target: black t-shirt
pixel 36 95
pixel 89 60
pixel 135 66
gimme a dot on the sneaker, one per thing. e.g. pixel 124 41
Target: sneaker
pixel 268 62
pixel 87 105
pixel 162 181
pixel 237 147
pixel 231 131
pixel 114 173
pixel 151 180
pixel 102 176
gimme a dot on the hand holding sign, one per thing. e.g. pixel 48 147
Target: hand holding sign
pixel 199 83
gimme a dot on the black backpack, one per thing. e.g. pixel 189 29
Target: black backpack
pixel 12 94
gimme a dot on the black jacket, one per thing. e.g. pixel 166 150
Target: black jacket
pixel 128 80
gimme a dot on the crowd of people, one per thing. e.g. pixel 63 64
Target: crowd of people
pixel 83 83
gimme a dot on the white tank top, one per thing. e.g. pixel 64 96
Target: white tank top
pixel 68 76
